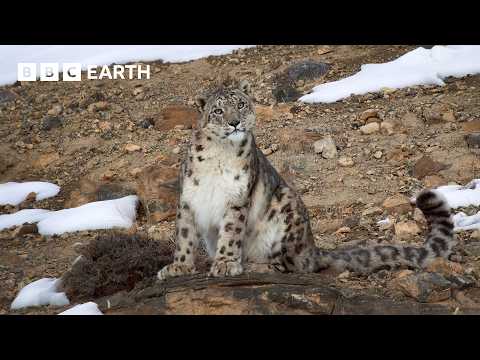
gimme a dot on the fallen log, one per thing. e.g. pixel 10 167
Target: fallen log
pixel 258 293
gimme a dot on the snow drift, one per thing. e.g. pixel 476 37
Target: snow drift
pixel 39 293
pixel 417 67
pixel 106 214
pixel 13 193
pixel 11 55
pixel 89 308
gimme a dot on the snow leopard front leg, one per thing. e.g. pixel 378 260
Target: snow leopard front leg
pixel 186 241
pixel 228 257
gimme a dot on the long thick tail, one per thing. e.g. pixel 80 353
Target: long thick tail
pixel 439 243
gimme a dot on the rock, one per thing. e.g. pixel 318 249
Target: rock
pixel 449 116
pixel 473 248
pixel 370 113
pixel 84 145
pixel 411 121
pixel 55 110
pixel 251 293
pixel 132 148
pixel 137 91
pixel 98 106
pixel 373 120
pixel 403 273
pixel 157 190
pixel 473 142
pixel 46 160
pixel 424 287
pixel 270 150
pixel 346 161
pixel 111 191
pixel 28 202
pixel 475 234
pixel 397 155
pixel 439 113
pixel 445 267
pixel 267 152
pixel 108 175
pixel 87 190
pixel 372 211
pixel 343 230
pixel 264 113
pixel 306 70
pixel 388 91
pixel 105 125
pixel 51 122
pixel 427 166
pixel 284 91
pixel 174 115
pixel 432 118
pixel 25 229
pixel 397 204
pixel 343 276
pixel 135 172
pixel 327 226
pixel 471 126
pixel 296 140
pixel 406 230
pixel 351 221
pixel 433 181
pixel 464 300
pixel 146 123
pixel 377 154
pixel 370 128
pixel 326 147
pixel 387 127
pixel 418 216
pixel 6 96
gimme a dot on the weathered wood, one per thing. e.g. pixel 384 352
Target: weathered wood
pixel 256 294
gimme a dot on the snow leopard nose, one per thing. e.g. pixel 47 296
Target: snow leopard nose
pixel 234 122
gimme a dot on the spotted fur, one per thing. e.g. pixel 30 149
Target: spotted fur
pixel 234 201
pixel 439 243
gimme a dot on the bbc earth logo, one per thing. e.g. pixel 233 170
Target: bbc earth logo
pixel 73 72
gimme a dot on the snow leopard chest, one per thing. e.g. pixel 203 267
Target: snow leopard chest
pixel 213 186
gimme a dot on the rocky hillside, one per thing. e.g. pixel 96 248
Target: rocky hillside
pixel 355 162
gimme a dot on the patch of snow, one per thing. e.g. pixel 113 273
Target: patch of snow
pixel 385 221
pixel 89 308
pixel 417 67
pixel 39 293
pixel 23 216
pixel 11 55
pixel 462 196
pixel 464 222
pixel 92 216
pixel 13 193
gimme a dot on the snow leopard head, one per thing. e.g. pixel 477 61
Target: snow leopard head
pixel 228 113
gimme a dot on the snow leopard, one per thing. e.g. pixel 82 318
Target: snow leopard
pixel 234 201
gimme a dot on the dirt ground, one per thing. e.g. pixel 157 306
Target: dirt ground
pixel 66 133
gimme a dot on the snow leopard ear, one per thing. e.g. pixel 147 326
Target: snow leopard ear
pixel 201 101
pixel 244 86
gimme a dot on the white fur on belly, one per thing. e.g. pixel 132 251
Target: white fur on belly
pixel 209 201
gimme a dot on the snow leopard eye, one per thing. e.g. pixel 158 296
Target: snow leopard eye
pixel 218 111
pixel 241 105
